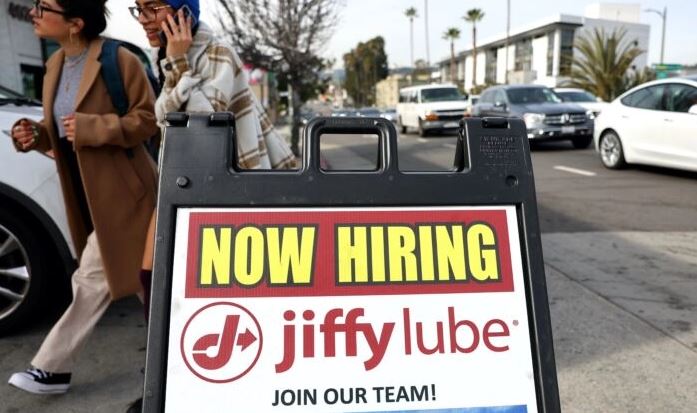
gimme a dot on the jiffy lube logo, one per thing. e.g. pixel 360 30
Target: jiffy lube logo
pixel 246 258
pixel 221 342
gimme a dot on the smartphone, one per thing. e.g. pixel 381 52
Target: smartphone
pixel 187 13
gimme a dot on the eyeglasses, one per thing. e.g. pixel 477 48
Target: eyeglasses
pixel 40 9
pixel 148 12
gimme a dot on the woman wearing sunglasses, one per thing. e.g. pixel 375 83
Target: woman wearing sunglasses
pixel 107 178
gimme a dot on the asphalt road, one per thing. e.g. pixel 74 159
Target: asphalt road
pixel 620 251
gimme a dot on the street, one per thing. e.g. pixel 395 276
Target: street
pixel 620 252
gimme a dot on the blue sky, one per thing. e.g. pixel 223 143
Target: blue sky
pixel 362 20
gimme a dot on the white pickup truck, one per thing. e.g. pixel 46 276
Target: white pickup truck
pixel 429 108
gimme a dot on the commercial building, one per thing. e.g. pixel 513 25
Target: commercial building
pixel 21 52
pixel 541 53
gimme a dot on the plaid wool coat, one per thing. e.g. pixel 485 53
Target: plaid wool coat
pixel 209 78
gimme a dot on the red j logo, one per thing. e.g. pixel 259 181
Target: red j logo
pixel 221 342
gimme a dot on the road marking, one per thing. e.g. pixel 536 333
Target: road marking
pixel 450 145
pixel 574 170
pixel 422 140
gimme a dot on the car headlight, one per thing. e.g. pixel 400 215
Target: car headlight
pixel 533 119
pixel 590 114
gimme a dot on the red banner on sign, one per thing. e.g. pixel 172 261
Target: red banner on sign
pixel 285 253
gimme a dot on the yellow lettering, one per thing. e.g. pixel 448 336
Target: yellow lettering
pixel 401 243
pixel 352 250
pixel 481 243
pixel 249 256
pixel 290 255
pixel 215 256
pixel 377 246
pixel 426 252
pixel 451 253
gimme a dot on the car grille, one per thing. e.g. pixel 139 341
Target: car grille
pixel 450 114
pixel 565 119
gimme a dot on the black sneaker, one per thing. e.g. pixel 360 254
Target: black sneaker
pixel 41 382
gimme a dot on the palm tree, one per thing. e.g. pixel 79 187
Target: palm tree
pixel 473 16
pixel 452 34
pixel 411 14
pixel 603 64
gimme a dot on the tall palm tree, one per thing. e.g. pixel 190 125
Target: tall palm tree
pixel 473 16
pixel 452 34
pixel 603 62
pixel 411 14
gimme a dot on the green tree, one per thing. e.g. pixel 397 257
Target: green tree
pixel 365 66
pixel 452 34
pixel 604 64
pixel 286 37
pixel 411 14
pixel 473 16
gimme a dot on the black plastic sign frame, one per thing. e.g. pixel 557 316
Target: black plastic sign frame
pixel 492 168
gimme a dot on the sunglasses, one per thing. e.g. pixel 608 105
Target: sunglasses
pixel 148 12
pixel 40 9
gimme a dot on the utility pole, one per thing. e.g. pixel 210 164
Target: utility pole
pixel 428 53
pixel 663 15
pixel 508 32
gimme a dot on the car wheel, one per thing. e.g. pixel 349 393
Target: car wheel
pixel 23 272
pixel 422 131
pixel 581 142
pixel 611 152
pixel 402 127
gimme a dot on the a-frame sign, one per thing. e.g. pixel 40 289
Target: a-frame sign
pixel 348 291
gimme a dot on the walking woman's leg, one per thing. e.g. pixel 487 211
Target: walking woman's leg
pixel 146 266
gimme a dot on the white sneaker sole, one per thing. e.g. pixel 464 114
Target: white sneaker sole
pixel 21 381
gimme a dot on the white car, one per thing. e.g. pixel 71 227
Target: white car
pixel 593 104
pixel 427 108
pixel 654 124
pixel 36 252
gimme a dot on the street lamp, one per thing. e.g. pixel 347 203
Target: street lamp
pixel 663 35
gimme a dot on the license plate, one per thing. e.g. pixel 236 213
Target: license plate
pixel 451 125
pixel 568 130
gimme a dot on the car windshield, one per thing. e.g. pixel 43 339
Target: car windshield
pixel 532 95
pixel 577 96
pixel 12 97
pixel 440 94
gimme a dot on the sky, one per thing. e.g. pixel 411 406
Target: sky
pixel 361 20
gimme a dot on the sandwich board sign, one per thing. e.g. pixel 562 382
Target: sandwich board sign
pixel 348 291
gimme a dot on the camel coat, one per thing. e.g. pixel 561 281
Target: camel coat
pixel 120 185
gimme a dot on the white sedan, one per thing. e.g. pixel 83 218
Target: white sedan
pixel 654 124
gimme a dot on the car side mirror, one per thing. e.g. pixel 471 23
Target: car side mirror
pixel 693 109
pixel 599 100
pixel 500 105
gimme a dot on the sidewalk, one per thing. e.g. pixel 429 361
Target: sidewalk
pixel 623 310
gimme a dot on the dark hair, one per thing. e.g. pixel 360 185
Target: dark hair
pixel 92 12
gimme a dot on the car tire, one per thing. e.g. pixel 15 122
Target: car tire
pixel 611 151
pixel 402 127
pixel 422 131
pixel 24 267
pixel 581 142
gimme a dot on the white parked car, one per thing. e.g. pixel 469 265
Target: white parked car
pixel 593 104
pixel 427 108
pixel 654 123
pixel 36 252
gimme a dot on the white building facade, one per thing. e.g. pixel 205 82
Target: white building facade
pixel 541 53
pixel 21 52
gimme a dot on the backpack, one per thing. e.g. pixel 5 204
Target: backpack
pixel 114 84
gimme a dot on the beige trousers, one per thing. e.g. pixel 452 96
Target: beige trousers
pixel 90 299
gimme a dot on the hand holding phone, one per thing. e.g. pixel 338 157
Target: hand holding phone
pixel 176 32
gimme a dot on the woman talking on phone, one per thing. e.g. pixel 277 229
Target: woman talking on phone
pixel 107 178
pixel 201 73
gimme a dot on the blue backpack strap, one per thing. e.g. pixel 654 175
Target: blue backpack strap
pixel 111 74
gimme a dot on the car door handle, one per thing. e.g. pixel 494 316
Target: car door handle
pixel 625 117
pixel 668 120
